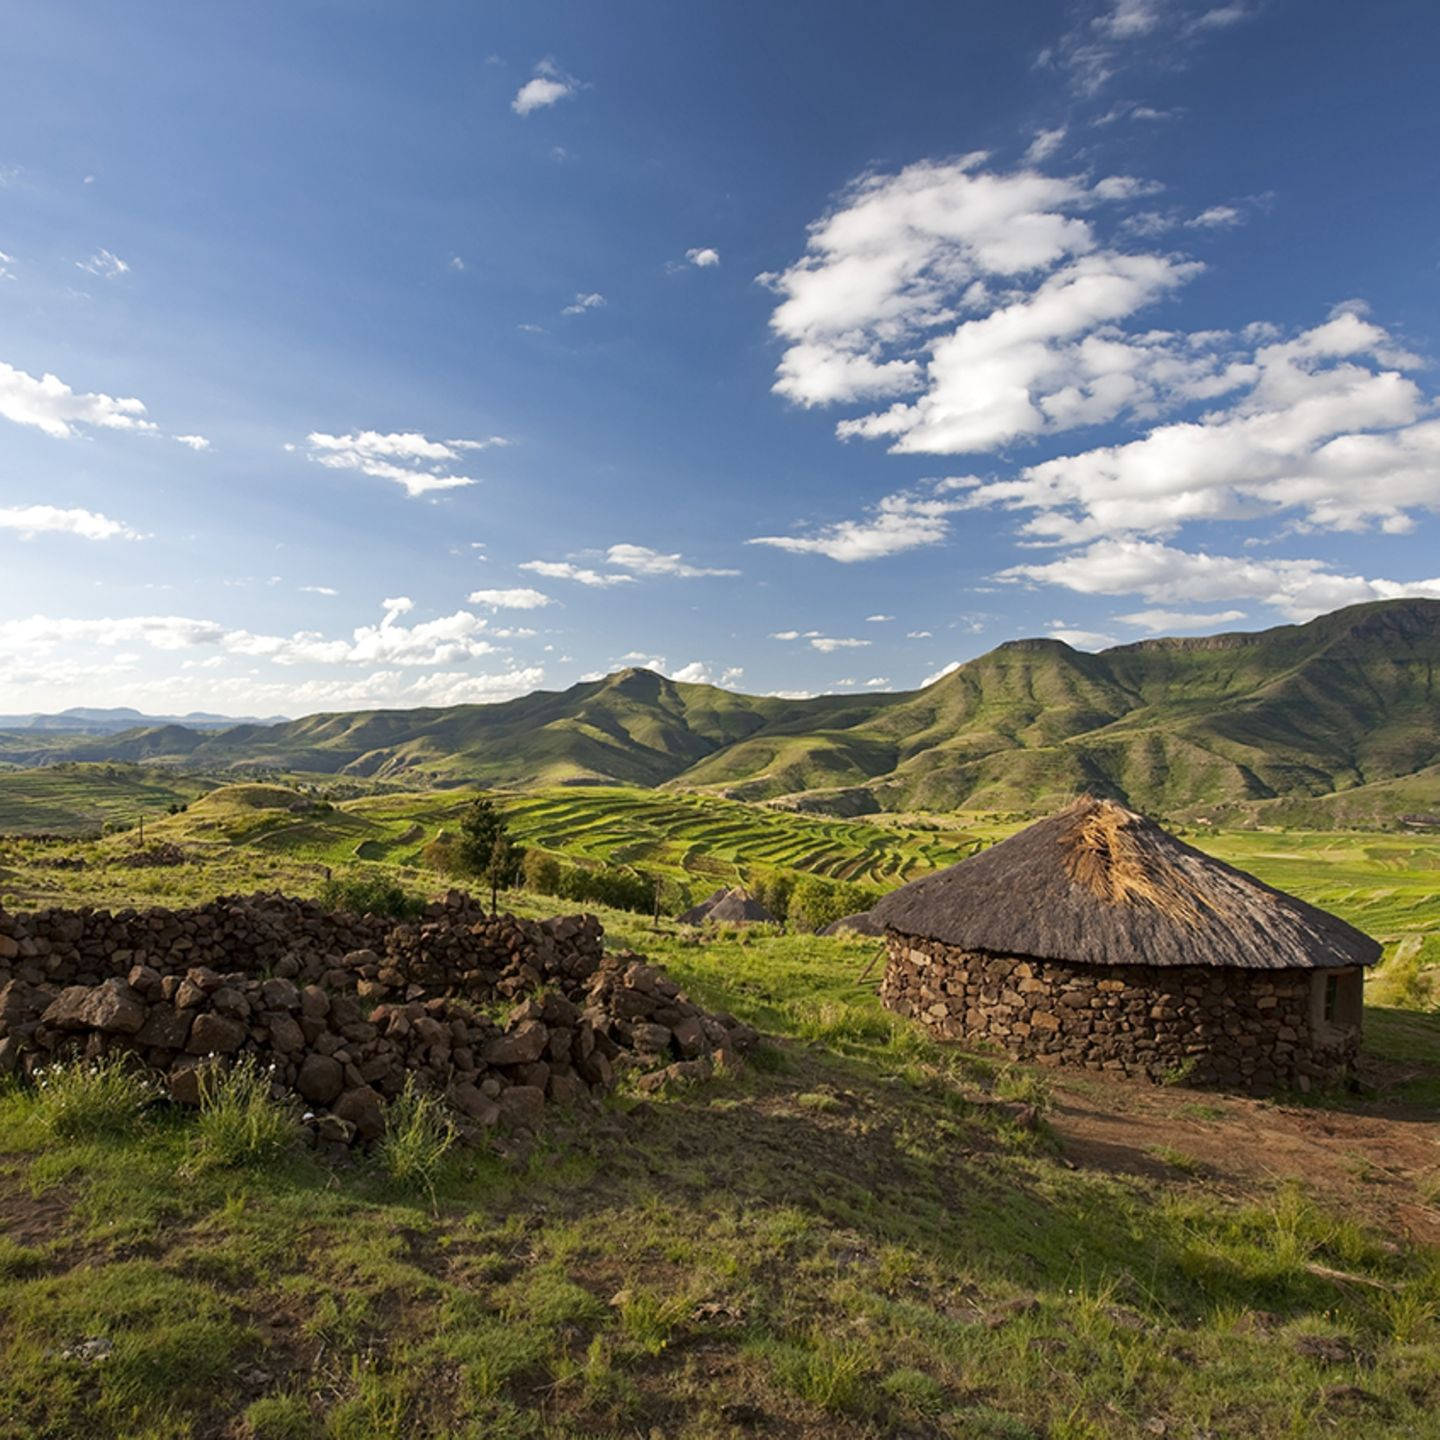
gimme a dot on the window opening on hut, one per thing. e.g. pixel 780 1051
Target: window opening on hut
pixel 1332 996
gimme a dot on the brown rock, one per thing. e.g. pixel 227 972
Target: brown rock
pixel 286 1036
pixel 522 1106
pixel 520 1046
pixel 215 1035
pixel 114 1008
pixel 67 1010
pixel 469 1101
pixel 691 1038
pixel 165 1028
pixel 320 1079
pixel 364 1109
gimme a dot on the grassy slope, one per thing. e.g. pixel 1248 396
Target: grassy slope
pixel 846 1240
pixel 79 798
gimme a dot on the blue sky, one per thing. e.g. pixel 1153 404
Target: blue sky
pixel 394 354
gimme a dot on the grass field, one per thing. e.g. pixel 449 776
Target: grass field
pixel 849 1239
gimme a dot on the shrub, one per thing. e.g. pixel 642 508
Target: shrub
pixel 91 1098
pixel 418 1135
pixel 816 903
pixel 240 1122
pixel 370 895
pixel 541 873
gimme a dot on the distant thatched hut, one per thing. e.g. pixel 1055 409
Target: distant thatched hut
pixel 729 907
pixel 1095 938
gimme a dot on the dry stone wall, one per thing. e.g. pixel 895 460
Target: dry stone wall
pixel 500 1015
pixel 1246 1029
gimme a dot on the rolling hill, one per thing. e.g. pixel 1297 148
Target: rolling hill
pixel 1342 705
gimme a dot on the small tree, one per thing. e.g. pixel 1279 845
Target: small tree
pixel 486 850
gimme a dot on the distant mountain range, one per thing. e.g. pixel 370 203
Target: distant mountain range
pixel 82 720
pixel 1339 712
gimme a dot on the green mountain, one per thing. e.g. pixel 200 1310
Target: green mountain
pixel 1340 704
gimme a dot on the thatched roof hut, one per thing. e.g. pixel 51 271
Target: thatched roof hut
pixel 1101 885
pixel 729 907
pixel 697 913
pixel 863 922
pixel 1096 938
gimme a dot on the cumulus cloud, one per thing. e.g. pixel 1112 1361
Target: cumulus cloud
pixel 583 302
pixel 103 263
pixel 828 644
pixel 1166 575
pixel 701 672
pixel 516 599
pixel 1326 424
pixel 580 574
pixel 32 520
pixel 49 404
pixel 642 560
pixel 418 464
pixel 900 522
pixel 318 590
pixel 195 442
pixel 548 86
pixel 987 297
pixel 703 256
pixel 878 619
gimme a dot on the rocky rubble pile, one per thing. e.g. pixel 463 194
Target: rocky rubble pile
pixel 499 1015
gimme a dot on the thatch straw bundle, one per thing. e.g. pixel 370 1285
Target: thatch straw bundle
pixel 1101 885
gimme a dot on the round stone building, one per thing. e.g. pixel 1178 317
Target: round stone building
pixel 1095 938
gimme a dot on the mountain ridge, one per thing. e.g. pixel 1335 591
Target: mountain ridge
pixel 1297 711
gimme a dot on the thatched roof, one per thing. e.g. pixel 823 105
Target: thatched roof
pixel 1102 885
pixel 697 914
pixel 861 923
pixel 738 908
pixel 735 907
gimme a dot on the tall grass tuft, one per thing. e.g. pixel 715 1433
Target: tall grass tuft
pixel 240 1123
pixel 89 1099
pixel 418 1135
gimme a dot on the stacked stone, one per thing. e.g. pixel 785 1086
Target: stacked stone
pixel 344 1031
pixel 1247 1029
pixel 646 1017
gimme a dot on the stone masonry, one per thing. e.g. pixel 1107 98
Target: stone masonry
pixel 1244 1029
pixel 499 1015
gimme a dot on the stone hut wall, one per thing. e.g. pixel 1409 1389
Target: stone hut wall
pixel 1247 1029
pixel 501 1015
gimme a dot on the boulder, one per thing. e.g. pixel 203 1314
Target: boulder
pixel 113 1008
pixel 363 1108
pixel 215 1035
pixel 520 1046
pixel 320 1079
pixel 522 1107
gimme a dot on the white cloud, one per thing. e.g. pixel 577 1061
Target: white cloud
pixel 940 674
pixel 5 262
pixel 195 442
pixel 548 86
pixel 1217 217
pixel 900 522
pixel 644 561
pixel 456 263
pixel 1325 424
pixel 988 297
pixel 918 635
pixel 877 682
pixel 700 672
pixel 584 302
pixel 1166 575
pixel 828 644
pixel 1081 639
pixel 1169 621
pixel 1045 144
pixel 52 406
pixel 32 520
pixel 318 590
pixel 878 619
pixel 703 256
pixel 516 599
pixel 564 570
pixel 408 458
pixel 102 262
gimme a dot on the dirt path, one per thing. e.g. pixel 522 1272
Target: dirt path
pixel 1380 1160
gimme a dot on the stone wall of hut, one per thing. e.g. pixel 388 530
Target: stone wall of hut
pixel 1244 1029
